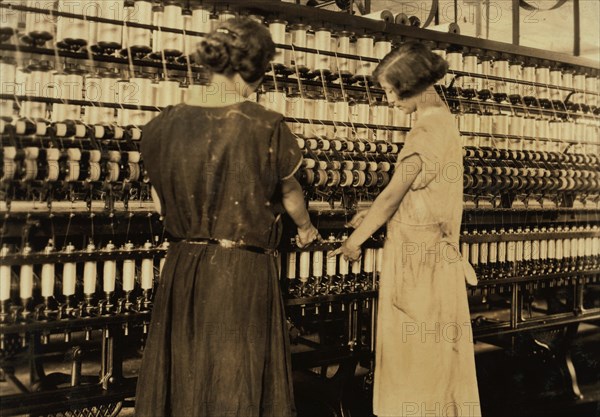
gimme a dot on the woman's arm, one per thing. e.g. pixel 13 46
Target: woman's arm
pixel 293 202
pixel 384 206
pixel 156 200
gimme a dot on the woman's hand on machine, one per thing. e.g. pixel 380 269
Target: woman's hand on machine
pixel 307 235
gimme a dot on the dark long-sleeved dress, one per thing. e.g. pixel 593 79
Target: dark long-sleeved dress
pixel 217 344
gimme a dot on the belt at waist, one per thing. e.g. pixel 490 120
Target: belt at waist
pixel 230 244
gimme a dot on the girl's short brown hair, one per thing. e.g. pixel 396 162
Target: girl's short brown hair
pixel 411 68
pixel 237 45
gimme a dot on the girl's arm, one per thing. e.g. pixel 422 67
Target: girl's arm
pixel 384 206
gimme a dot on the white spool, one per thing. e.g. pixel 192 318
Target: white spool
pixel 361 113
pixel 515 126
pixel 10 19
pixel 578 84
pixel 541 128
pixel 304 272
pixel 8 85
pixel 356 266
pixel 331 264
pixel 515 70
pixel 142 93
pixel 48 275
pixel 109 274
pixel 369 261
pixel 26 277
pixel 382 48
pixel 298 34
pixel 309 113
pixel 201 21
pixel 138 39
pixel 343 266
pixel 124 90
pixel 455 63
pixel 275 100
pixel 500 124
pixel 225 15
pixel 37 81
pixel 529 127
pixel 341 113
pixel 323 43
pixel 455 60
pixel 69 274
pixel 110 35
pixel 39 26
pixel 128 271
pixel 317 264
pixel 380 117
pixel 502 70
pixel 71 31
pixel 172 43
pixel 379 260
pixel 555 80
pixel 291 265
pixel 364 49
pixel 439 51
pixel 470 63
pixel 310 56
pixel 168 93
pixel 343 47
pixel 529 76
pixel 108 94
pixel 485 68
pixel 567 131
pixel 60 111
pixel 542 76
pixel 158 19
pixel 321 113
pixel 295 108
pixel 574 248
pixel 353 63
pixel 485 123
pixel 93 114
pixel 591 85
pixel 277 29
pixel 147 280
pixel 5 276
pixel 399 119
pixel 189 41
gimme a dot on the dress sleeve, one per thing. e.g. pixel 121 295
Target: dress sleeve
pixel 288 154
pixel 423 144
pixel 152 137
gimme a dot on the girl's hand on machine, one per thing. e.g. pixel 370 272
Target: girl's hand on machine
pixel 349 251
pixel 357 219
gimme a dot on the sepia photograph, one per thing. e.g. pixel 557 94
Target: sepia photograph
pixel 300 208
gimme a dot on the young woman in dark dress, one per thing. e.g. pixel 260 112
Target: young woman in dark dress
pixel 222 169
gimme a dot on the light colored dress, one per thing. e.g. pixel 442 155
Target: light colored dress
pixel 425 361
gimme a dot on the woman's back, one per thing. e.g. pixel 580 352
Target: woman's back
pixel 217 170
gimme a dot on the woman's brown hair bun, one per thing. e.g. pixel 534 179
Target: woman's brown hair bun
pixel 213 54
pixel 239 45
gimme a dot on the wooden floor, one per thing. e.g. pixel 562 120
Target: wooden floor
pixel 509 386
